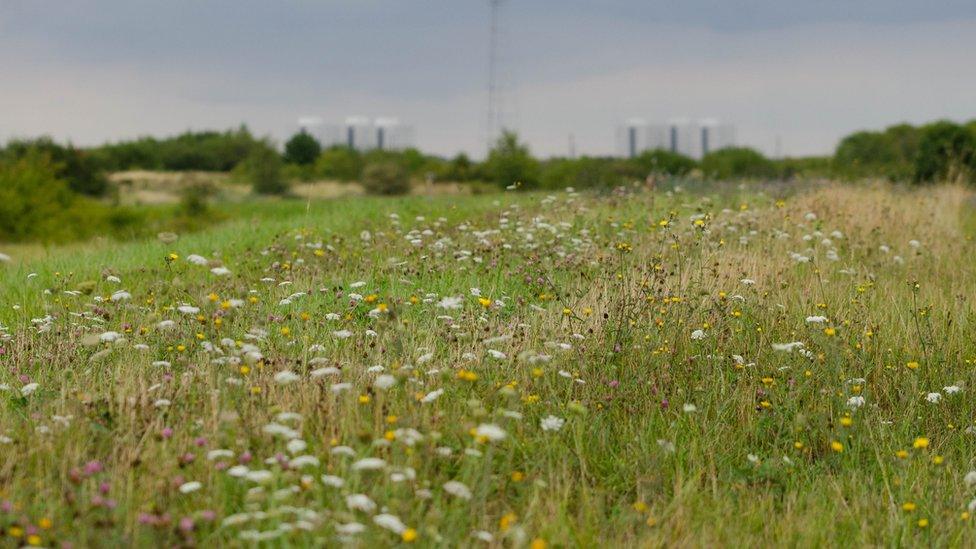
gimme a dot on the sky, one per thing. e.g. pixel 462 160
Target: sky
pixel 792 76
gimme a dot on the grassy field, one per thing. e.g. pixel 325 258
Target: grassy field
pixel 707 366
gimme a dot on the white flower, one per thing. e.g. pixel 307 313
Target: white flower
pixel 457 489
pixel 296 445
pixel 368 464
pixel 285 377
pixel 121 295
pixel 497 354
pixel 450 303
pixel 360 502
pixel 384 382
pixel 552 423
pixel 304 461
pixel 490 431
pixel 952 389
pixel 109 337
pixel 970 479
pixel 788 347
pixel 934 398
pixel 689 408
pixel 350 529
pixel 188 309
pixel 698 334
pixel 189 487
pixel 260 476
pixel 390 522
pixel 28 389
pixel 342 334
pixel 196 259
pixel 333 481
pixel 855 402
pixel 432 396
pixel 816 319
pixel 220 271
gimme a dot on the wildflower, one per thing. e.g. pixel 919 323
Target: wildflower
pixel 698 334
pixel 552 423
pixel 934 398
pixel 285 377
pixel 836 446
pixel 189 487
pixel 913 365
pixel 409 535
pixel 490 432
pixel 450 303
pixel 360 502
pixel 390 522
pixel 457 489
pixel 689 408
pixel 920 443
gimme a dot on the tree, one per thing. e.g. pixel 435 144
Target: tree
pixel 736 163
pixel 510 163
pixel 660 161
pixel 389 178
pixel 302 149
pixel 946 152
pixel 263 169
pixel 75 166
pixel 340 163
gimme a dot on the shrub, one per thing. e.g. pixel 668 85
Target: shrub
pixel 388 178
pixel 663 162
pixel 76 167
pixel 263 171
pixel 946 152
pixel 737 162
pixel 510 162
pixel 340 163
pixel 302 149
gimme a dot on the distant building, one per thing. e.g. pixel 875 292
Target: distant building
pixel 364 134
pixel 693 138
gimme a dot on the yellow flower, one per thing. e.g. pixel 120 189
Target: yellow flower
pixel 920 443
pixel 364 399
pixel 485 302
pixel 912 365
pixel 33 539
pixel 836 446
pixel 506 521
pixel 538 543
pixel 409 535
pixel 846 421
pixel 518 476
pixel 908 507
pixel 902 454
pixel 830 332
pixel 922 523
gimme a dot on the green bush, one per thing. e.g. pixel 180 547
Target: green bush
pixel 946 152
pixel 203 151
pixel 302 149
pixel 77 167
pixel 387 178
pixel 340 163
pixel 510 163
pixel 263 170
pixel 737 163
pixel 889 154
pixel 662 162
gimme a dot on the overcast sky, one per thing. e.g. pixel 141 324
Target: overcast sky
pixel 806 72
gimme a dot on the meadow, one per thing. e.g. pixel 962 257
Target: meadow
pixel 692 365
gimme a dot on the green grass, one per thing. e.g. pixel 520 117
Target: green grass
pixel 667 438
